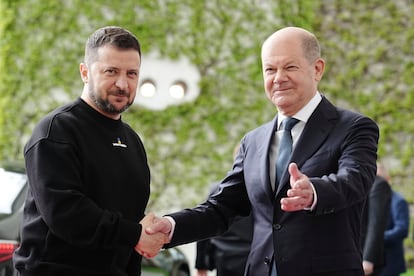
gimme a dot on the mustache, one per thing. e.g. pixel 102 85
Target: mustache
pixel 120 93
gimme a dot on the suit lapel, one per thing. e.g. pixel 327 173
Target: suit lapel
pixel 316 130
pixel 264 140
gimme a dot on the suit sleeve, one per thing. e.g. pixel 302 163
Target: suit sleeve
pixel 351 158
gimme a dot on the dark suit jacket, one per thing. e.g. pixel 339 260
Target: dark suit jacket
pixel 337 150
pixel 375 222
pixel 397 231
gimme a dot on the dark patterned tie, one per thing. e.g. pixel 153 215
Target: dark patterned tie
pixel 285 148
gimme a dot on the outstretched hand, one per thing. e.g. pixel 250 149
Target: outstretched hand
pixel 300 194
pixel 150 244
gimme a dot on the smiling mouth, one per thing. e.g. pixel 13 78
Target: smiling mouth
pixel 119 98
pixel 281 90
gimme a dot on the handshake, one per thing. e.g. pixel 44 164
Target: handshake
pixel 155 233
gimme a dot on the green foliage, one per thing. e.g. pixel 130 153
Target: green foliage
pixel 367 46
pixel 6 19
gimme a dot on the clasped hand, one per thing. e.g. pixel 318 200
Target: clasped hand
pixel 154 234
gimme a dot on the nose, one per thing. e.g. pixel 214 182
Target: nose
pixel 279 76
pixel 122 82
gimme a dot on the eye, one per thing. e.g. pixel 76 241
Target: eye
pixel 133 73
pixel 110 71
pixel 292 67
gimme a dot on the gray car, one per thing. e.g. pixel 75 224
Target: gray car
pixel 13 188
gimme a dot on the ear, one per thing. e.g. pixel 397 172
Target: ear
pixel 84 72
pixel 319 69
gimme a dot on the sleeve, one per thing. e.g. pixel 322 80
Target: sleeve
pixel 205 249
pixel 352 162
pixel 134 264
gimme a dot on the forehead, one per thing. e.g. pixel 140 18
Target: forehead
pixel 288 47
pixel 120 58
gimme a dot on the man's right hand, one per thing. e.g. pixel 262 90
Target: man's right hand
pixel 150 244
pixel 160 225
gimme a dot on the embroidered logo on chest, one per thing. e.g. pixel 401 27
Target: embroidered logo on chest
pixel 118 143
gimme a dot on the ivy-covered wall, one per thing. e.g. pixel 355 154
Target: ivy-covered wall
pixel 368 46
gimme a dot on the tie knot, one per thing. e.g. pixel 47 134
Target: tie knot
pixel 289 123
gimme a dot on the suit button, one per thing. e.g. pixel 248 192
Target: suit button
pixel 277 226
pixel 267 260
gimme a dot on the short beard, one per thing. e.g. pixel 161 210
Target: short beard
pixel 105 105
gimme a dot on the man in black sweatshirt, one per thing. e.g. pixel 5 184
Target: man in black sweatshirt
pixel 88 173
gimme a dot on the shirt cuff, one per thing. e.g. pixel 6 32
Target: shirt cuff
pixel 172 221
pixel 315 199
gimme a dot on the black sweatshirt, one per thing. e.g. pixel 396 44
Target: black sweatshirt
pixel 88 189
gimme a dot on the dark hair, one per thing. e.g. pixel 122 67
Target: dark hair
pixel 112 35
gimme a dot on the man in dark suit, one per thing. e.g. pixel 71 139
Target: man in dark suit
pixel 309 223
pixel 374 224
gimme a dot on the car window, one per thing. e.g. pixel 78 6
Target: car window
pixel 11 184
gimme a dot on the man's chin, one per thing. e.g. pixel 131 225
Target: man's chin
pixel 281 103
pixel 120 108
